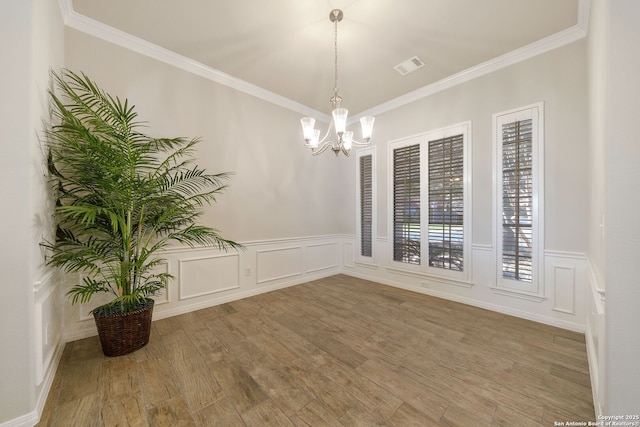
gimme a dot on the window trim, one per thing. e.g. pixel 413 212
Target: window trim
pixel 423 269
pixel 535 288
pixel 374 203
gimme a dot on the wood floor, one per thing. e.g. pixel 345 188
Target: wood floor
pixel 337 351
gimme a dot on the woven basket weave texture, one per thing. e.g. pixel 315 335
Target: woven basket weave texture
pixel 124 333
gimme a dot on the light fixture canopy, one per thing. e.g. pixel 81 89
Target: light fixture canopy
pixel 344 138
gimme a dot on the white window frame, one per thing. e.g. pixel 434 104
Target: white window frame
pixel 533 290
pixel 423 269
pixel 374 203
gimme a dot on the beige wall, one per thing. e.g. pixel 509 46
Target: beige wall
pixel 30 43
pixel 614 234
pixel 15 368
pixel 278 189
pixel 619 114
pixel 556 78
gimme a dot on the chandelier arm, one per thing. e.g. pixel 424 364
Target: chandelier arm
pixel 322 148
pixel 326 135
pixel 359 144
pixel 324 138
pixel 344 140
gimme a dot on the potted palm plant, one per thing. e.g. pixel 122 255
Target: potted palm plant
pixel 121 198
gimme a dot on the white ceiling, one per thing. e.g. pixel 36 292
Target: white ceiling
pixel 286 46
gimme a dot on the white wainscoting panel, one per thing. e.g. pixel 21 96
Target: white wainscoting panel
pixel 596 306
pixel 208 274
pixel 48 325
pixel 566 283
pixel 322 256
pixel 563 284
pixel 278 263
pixel 348 254
pixel 483 264
pixel 564 295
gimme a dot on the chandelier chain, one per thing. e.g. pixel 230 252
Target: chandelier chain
pixel 335 44
pixel 344 140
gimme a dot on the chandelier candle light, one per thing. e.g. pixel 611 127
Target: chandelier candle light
pixel 344 140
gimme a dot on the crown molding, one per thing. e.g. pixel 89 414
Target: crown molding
pixel 110 34
pixel 97 29
pixel 536 48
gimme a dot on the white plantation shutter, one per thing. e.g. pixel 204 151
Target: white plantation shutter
pixel 430 191
pixel 519 139
pixel 517 200
pixel 406 204
pixel 446 203
pixel 366 205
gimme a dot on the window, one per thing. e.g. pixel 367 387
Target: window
pixel 366 208
pixel 365 204
pixel 517 198
pixel 518 135
pixel 406 204
pixel 446 203
pixel 431 205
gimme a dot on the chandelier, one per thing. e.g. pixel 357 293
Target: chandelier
pixel 343 138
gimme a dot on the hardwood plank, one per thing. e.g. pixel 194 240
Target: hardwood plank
pixel 283 388
pixel 54 391
pixel 81 379
pixel 207 344
pixel 314 414
pixel 553 413
pixel 266 414
pixel 507 417
pixel 220 413
pixel 462 392
pixel 429 401
pixel 323 340
pixel 360 416
pixel 81 412
pixel 129 411
pixel 167 326
pixel 553 388
pixel 197 384
pixel 158 381
pixel 485 389
pixel 171 413
pixel 376 398
pixel 119 379
pixel 331 394
pixel 155 347
pixel 335 351
pixel 458 417
pixel 575 376
pixel 237 384
pixel 407 415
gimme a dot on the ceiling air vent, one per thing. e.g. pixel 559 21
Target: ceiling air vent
pixel 409 65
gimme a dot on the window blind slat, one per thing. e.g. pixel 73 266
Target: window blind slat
pixel 366 205
pixel 406 204
pixel 446 203
pixel 517 200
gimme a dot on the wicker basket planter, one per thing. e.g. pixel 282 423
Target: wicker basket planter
pixel 123 333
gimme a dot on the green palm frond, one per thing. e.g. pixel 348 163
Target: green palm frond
pixel 122 196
